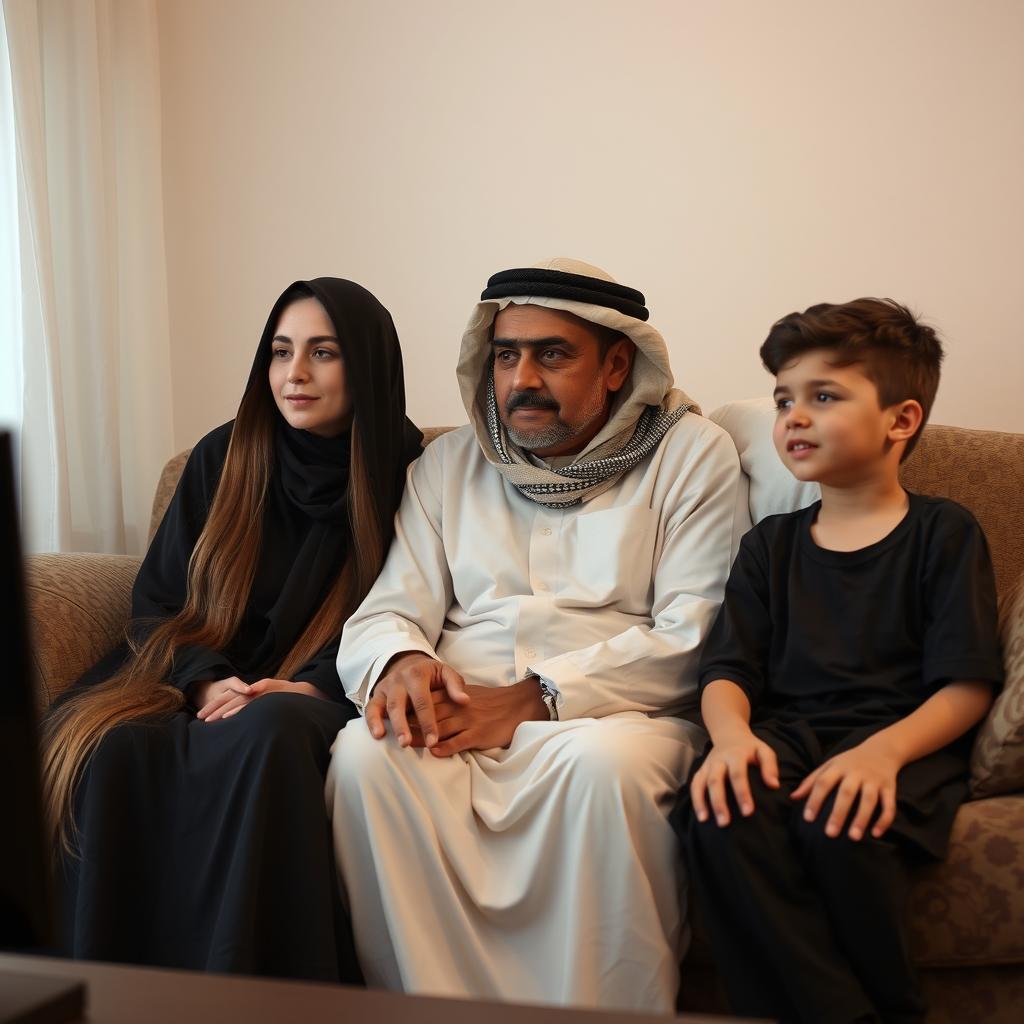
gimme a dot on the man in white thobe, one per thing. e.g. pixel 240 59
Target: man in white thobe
pixel 525 660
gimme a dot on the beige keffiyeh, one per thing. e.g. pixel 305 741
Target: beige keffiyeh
pixel 645 408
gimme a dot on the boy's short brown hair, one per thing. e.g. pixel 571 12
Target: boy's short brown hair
pixel 900 355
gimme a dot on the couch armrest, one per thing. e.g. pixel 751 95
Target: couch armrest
pixel 78 606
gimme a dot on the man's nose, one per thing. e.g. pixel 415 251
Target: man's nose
pixel 527 376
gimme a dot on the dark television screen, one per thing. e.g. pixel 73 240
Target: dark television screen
pixel 26 920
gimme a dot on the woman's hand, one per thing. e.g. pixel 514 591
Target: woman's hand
pixel 869 771
pixel 730 759
pixel 226 697
pixel 203 696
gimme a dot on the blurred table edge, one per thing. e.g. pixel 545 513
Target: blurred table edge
pixel 122 993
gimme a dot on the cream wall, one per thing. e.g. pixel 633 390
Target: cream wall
pixel 733 160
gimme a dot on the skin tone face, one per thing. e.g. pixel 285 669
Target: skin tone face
pixel 307 372
pixel 830 426
pixel 552 385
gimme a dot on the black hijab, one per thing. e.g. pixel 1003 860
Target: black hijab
pixel 376 384
pixel 312 472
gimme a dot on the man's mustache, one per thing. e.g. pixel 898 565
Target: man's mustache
pixel 529 400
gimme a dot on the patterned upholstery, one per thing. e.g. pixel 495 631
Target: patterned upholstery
pixel 997 761
pixel 78 609
pixel 974 995
pixel 966 915
pixel 984 471
pixel 969 910
pixel 165 488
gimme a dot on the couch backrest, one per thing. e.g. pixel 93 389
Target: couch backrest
pixel 981 469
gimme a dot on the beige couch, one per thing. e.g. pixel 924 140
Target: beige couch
pixel 966 914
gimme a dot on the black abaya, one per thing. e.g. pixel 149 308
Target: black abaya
pixel 206 845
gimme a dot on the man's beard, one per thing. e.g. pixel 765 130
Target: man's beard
pixel 555 433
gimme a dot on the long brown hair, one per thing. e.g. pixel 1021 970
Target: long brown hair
pixel 221 571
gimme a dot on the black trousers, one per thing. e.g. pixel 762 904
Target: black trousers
pixel 803 927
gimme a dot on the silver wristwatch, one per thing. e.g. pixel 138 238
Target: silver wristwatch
pixel 548 695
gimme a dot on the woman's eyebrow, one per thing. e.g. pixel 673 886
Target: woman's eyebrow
pixel 309 341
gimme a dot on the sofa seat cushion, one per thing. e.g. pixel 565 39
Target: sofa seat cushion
pixel 969 909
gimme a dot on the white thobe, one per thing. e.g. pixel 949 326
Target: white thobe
pixel 547 871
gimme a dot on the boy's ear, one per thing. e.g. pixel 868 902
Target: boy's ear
pixel 907 417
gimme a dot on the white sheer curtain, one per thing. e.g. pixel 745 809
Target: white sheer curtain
pixel 10 276
pixel 96 424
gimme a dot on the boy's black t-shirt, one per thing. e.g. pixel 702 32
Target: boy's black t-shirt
pixel 851 638
pixel 844 643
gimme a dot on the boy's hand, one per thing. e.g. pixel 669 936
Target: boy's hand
pixel 731 758
pixel 870 770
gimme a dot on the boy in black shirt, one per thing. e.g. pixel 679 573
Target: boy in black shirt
pixel 855 651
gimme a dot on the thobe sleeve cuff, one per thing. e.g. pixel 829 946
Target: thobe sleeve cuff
pixel 548 689
pixel 567 685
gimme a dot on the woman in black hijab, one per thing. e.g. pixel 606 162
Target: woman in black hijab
pixel 185 771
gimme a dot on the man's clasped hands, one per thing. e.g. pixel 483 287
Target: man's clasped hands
pixel 428 704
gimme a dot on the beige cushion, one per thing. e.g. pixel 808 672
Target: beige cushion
pixel 773 489
pixel 997 762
